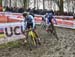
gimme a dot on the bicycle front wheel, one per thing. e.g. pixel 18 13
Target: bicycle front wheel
pixel 32 38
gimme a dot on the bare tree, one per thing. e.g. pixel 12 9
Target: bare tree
pixel 0 2
pixel 43 4
pixel 10 3
pixel 37 4
pixel 60 5
pixel 25 4
pixel 34 3
pixel 5 2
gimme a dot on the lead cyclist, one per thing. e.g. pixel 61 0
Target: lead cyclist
pixel 29 22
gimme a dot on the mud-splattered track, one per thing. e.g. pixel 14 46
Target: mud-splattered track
pixel 50 47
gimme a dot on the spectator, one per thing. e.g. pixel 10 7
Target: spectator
pixel 74 15
pixel 21 10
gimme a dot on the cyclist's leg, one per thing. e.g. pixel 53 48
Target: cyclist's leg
pixel 27 30
pixel 48 26
pixel 52 25
pixel 54 31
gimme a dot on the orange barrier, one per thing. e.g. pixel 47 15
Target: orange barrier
pixel 17 17
pixel 13 20
pixel 3 19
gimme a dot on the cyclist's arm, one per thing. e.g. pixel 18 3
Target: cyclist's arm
pixel 43 18
pixel 33 20
pixel 55 20
pixel 25 23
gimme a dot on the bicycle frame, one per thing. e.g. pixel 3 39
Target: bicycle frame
pixel 33 36
pixel 43 24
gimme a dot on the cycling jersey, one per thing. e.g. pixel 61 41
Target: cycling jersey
pixel 29 22
pixel 49 18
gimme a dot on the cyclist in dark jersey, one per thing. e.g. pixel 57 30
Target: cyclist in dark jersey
pixel 49 17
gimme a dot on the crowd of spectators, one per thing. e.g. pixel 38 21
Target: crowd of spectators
pixel 34 11
pixel 14 9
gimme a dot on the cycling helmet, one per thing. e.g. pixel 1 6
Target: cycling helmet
pixel 25 14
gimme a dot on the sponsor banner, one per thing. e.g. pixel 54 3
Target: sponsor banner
pixel 3 19
pixel 64 17
pixel 10 17
pixel 63 21
pixel 38 19
pixel 11 32
pixel 15 31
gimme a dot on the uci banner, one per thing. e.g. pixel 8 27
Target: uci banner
pixel 11 32
pixel 14 31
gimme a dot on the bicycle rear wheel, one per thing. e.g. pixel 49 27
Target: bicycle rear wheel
pixel 53 31
pixel 30 42
pixel 55 34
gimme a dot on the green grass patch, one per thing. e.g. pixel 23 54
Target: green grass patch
pixel 13 44
pixel 2 46
pixel 2 36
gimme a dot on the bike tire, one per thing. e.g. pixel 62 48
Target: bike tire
pixel 32 39
pixel 55 34
pixel 29 42
pixel 36 41
pixel 54 31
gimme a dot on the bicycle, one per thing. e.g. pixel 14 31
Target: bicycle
pixel 52 30
pixel 32 39
pixel 43 24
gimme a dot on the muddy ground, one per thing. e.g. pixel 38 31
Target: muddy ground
pixel 50 47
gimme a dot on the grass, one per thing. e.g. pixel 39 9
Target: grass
pixel 9 44
pixel 13 44
pixel 2 36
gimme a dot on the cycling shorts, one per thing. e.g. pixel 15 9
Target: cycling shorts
pixel 29 25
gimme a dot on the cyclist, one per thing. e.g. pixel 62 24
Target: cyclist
pixel 29 23
pixel 49 16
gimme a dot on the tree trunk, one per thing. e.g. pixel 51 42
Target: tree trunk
pixel 34 3
pixel 1 2
pixel 37 4
pixel 43 4
pixel 28 3
pixel 10 3
pixel 60 6
pixel 1 5
pixel 25 4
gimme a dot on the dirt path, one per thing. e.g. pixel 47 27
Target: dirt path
pixel 49 48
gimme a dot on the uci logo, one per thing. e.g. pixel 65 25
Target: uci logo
pixel 10 31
